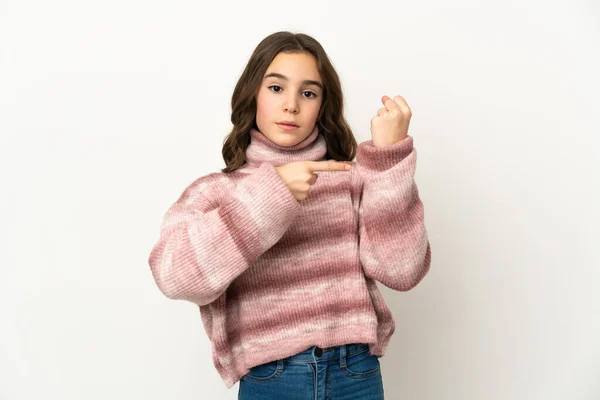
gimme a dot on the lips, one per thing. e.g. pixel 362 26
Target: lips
pixel 288 123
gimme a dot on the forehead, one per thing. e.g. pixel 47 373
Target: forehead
pixel 296 66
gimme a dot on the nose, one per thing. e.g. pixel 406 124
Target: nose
pixel 290 105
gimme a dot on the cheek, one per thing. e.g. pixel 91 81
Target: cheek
pixel 264 105
pixel 314 109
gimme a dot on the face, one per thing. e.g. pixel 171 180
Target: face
pixel 292 91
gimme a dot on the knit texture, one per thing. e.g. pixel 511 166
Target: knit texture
pixel 273 276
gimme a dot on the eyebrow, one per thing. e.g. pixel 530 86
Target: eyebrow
pixel 306 81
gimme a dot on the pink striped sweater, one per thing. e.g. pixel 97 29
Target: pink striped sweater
pixel 273 276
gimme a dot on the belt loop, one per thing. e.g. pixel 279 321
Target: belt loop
pixel 280 365
pixel 343 355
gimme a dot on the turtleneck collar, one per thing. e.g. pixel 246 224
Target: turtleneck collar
pixel 262 149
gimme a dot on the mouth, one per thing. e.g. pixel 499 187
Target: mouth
pixel 287 125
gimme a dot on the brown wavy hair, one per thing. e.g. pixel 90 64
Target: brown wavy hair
pixel 341 144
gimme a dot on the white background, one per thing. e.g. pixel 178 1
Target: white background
pixel 108 110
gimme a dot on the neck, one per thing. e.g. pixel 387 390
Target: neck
pixel 262 149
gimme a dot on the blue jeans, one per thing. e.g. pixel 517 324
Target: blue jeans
pixel 348 371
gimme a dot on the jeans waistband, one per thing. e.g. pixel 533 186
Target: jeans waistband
pixel 328 353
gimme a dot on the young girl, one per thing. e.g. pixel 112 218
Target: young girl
pixel 281 250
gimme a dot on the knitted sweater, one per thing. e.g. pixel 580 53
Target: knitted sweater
pixel 273 276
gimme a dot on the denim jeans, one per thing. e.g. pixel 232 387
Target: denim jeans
pixel 343 372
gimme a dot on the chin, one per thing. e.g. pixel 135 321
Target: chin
pixel 289 139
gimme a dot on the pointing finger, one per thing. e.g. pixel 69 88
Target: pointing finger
pixel 328 166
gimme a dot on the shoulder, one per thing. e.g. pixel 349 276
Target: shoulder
pixel 205 186
pixel 212 185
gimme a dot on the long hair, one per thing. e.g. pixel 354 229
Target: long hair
pixel 340 141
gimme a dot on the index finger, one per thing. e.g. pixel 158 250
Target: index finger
pixel 327 166
pixel 390 103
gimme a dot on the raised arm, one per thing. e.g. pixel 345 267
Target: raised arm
pixel 213 233
pixel 394 247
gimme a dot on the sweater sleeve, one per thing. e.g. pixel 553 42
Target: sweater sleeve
pixel 393 245
pixel 212 234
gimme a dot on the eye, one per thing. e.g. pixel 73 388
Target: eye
pixel 312 95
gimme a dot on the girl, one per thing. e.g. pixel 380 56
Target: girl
pixel 281 249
